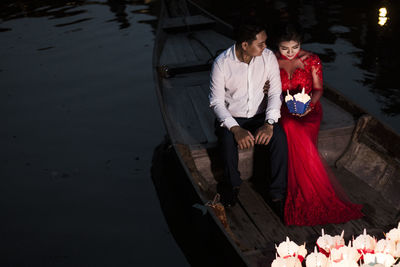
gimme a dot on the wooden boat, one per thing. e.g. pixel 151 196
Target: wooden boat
pixel 364 153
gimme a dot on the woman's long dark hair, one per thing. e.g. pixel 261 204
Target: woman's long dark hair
pixel 289 32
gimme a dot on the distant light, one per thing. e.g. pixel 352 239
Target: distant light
pixel 382 21
pixel 382 16
pixel 382 12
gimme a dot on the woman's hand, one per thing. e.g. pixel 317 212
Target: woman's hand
pixel 308 110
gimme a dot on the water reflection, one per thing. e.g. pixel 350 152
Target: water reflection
pixel 197 234
pixel 76 145
pixel 34 9
pixel 118 8
pixel 10 10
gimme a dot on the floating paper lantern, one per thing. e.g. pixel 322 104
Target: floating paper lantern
pixel 286 262
pixel 343 263
pixel 325 243
pixel 345 253
pixel 290 249
pixel 338 240
pixel 381 258
pixel 316 259
pixel 386 246
pixel 365 243
pixel 394 234
pixel 396 253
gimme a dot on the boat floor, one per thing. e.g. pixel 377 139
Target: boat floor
pixel 257 228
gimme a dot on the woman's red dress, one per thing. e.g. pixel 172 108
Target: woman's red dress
pixel 311 198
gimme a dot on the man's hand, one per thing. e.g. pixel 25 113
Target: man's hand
pixel 264 134
pixel 243 137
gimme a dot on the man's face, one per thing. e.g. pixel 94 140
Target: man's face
pixel 256 47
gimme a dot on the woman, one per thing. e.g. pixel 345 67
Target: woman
pixel 311 198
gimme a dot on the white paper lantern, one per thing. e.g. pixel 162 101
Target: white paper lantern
pixel 286 262
pixel 349 253
pixel 386 246
pixel 325 243
pixel 384 259
pixel 396 253
pixel 394 234
pixel 289 249
pixel 365 243
pixel 343 263
pixel 316 259
pixel 338 240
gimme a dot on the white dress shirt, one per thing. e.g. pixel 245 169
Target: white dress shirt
pixel 236 88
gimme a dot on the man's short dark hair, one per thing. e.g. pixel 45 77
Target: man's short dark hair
pixel 247 31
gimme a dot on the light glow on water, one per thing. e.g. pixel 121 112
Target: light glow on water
pixel 382 19
pixel 382 12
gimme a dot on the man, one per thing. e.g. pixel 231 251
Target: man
pixel 246 117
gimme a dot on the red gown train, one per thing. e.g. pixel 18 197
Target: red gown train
pixel 311 197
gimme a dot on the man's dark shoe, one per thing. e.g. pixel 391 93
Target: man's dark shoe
pixel 229 195
pixel 278 206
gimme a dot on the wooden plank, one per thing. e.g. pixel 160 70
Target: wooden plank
pixel 182 48
pixel 204 112
pixel 334 116
pixel 187 67
pixel 261 258
pixel 188 79
pixel 214 41
pixel 249 236
pixel 205 89
pixel 200 51
pixel 187 47
pixel 182 115
pixel 168 54
pixel 332 143
pixel 378 212
pixel 182 23
pixel 267 221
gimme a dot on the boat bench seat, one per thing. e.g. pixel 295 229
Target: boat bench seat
pixel 334 137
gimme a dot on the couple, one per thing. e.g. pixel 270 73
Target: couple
pixel 300 190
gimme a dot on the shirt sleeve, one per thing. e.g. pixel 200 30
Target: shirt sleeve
pixel 217 97
pixel 273 110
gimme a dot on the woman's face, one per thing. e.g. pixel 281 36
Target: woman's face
pixel 289 49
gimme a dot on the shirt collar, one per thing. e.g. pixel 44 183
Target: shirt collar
pixel 234 57
pixel 233 51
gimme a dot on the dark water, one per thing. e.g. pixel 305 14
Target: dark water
pixel 360 57
pixel 79 124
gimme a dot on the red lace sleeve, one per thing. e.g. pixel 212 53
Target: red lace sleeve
pixel 316 71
